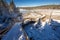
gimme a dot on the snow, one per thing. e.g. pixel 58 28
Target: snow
pixel 2 26
pixel 57 20
pixel 35 31
pixel 15 33
pixel 46 34
pixel 48 11
pixel 42 11
pixel 38 31
pixel 23 11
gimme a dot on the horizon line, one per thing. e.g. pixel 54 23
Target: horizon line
pixel 38 5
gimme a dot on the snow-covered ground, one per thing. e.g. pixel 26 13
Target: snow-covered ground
pixel 35 31
pixel 42 11
pixel 15 33
pixel 41 32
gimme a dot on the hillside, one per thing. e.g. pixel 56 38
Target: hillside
pixel 42 7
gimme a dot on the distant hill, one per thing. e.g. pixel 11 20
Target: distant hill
pixel 42 7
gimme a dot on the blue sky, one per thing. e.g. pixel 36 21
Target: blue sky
pixel 27 3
